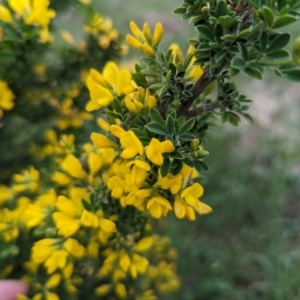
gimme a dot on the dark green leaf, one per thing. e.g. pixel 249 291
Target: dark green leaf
pixel 248 118
pixel 279 42
pixel 177 155
pixel 253 72
pixel 292 74
pixel 157 128
pixel 238 63
pixel 187 126
pixel 170 124
pixel 263 41
pixel 221 8
pixel 224 117
pixel 186 137
pixel 156 117
pixel 188 162
pixel 138 132
pixel 165 167
pixel 243 51
pixel 279 54
pixel 205 33
pixel 199 165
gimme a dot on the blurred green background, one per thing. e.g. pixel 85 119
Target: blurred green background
pixel 249 248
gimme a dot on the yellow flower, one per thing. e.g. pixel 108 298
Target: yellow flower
pixel 131 145
pixel 140 100
pixel 158 206
pixel 53 253
pixel 139 171
pixel 144 244
pixel 6 95
pixel 158 34
pixel 101 141
pixel 104 87
pixel 143 41
pixel 192 193
pixel 72 165
pixel 27 180
pixel 5 15
pixel 156 148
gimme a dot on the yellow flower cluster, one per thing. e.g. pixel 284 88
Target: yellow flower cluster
pixel 35 12
pixel 87 218
pixel 143 40
pixel 130 178
pixel 102 29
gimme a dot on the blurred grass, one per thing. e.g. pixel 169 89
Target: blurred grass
pixel 249 247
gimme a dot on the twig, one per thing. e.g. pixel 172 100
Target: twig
pixel 198 88
pixel 202 109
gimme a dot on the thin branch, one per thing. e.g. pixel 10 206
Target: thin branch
pixel 198 88
pixel 202 109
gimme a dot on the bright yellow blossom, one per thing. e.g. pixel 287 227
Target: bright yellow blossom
pixel 5 15
pixel 156 148
pixel 131 145
pixel 104 87
pixel 72 165
pixel 192 193
pixel 158 206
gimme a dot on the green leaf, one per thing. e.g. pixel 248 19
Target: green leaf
pixel 238 63
pixel 224 117
pixel 156 86
pixel 220 55
pixel 243 50
pixel 284 20
pixel 268 15
pixel 279 42
pixel 278 54
pixel 263 41
pixel 138 132
pixel 187 126
pixel 248 118
pixel 199 165
pixel 177 155
pixel 234 119
pixel 186 137
pixel 170 124
pixel 221 8
pixel 165 167
pixel 228 38
pixel 188 162
pixel 179 11
pixel 157 128
pixel 292 74
pixel 205 33
pixel 253 72
pixel 156 117
pixel 117 105
pixel 178 166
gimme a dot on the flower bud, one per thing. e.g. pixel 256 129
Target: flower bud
pixel 296 51
pixel 202 153
pixel 194 144
pixel 194 154
pixel 204 9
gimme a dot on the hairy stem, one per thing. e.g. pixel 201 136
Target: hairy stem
pixel 201 109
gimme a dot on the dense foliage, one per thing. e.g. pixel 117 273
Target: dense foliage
pixel 78 220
